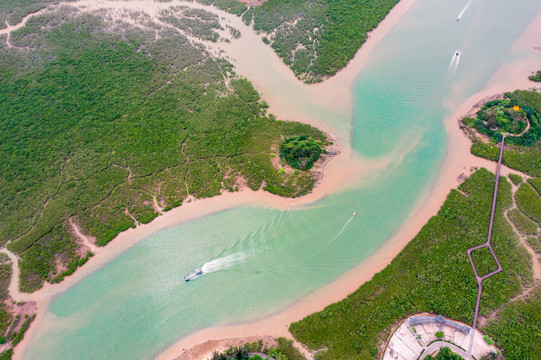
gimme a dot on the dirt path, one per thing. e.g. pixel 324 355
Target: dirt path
pixel 13 288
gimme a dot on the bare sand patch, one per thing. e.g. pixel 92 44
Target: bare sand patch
pixel 253 2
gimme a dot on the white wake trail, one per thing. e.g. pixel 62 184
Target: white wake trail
pixel 451 63
pixel 456 64
pixel 464 10
pixel 342 229
pixel 223 262
pixel 336 236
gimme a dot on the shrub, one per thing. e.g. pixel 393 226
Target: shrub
pixel 300 152
pixel 440 334
pixel 523 224
pixel 445 354
pixel 516 179
pixel 536 77
pixel 488 340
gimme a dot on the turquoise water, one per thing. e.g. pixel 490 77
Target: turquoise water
pixel 261 260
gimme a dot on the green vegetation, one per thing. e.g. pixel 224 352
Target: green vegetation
pixel 509 116
pixel 524 159
pixel 7 355
pixel 300 152
pixel 518 327
pixel 195 22
pixel 13 11
pixel 105 128
pixel 491 356
pixel 284 351
pixel 232 6
pixel 488 340
pixel 317 38
pixel 484 261
pixel 529 202
pixel 536 77
pixel 5 276
pixel 25 326
pixel 536 183
pixel 445 354
pixel 431 274
pixel 76 262
pixel 440 334
pixel 523 224
pixel 521 153
pixel 535 243
pixel 516 179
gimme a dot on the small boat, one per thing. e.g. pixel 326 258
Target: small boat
pixel 355 213
pixel 457 52
pixel 193 275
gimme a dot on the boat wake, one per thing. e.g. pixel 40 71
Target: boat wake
pixel 455 60
pixel 223 262
pixel 343 228
pixel 337 235
pixel 463 10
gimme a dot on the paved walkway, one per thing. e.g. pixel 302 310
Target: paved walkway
pixel 487 243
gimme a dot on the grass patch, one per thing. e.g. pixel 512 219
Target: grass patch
pixel 6 271
pixel 535 244
pixel 484 261
pixel 517 328
pixel 529 202
pixel 536 183
pixel 523 224
pixel 515 179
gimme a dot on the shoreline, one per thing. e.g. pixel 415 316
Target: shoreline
pixel 334 94
pixel 337 169
pixel 458 160
pixel 334 169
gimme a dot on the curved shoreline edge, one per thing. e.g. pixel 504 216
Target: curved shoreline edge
pixel 343 166
pixel 203 207
pixel 458 160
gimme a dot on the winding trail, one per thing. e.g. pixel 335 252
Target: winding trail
pixel 10 28
pixel 86 240
pixel 14 281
